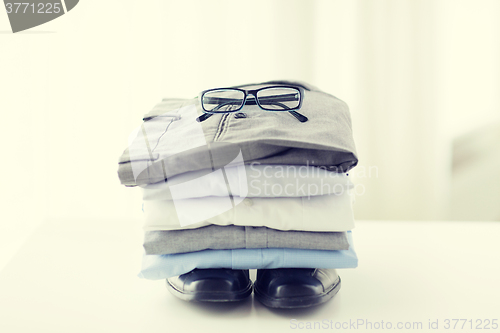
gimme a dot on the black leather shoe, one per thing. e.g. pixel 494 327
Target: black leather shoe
pixel 295 287
pixel 211 285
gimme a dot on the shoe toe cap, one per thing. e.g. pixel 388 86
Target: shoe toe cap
pixel 295 290
pixel 281 283
pixel 211 280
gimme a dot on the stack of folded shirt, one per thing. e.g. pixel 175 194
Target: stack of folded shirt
pixel 264 191
pixel 252 228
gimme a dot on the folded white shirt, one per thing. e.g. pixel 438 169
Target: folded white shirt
pixel 254 180
pixel 316 213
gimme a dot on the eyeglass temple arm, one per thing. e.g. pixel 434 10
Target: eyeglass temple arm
pixel 300 117
pixel 205 116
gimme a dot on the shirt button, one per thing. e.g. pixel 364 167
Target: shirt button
pixel 240 115
pixel 248 202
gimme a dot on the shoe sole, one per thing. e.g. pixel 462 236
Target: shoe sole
pixel 211 296
pixel 297 302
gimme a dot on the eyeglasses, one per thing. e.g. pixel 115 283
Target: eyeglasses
pixel 272 98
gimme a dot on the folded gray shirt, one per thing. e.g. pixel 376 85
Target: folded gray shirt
pixel 170 141
pixel 239 237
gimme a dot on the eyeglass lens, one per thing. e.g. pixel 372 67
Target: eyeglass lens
pixel 223 100
pixel 278 99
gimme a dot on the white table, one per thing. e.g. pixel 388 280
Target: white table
pixel 80 276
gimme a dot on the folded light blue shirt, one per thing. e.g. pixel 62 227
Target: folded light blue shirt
pixel 157 267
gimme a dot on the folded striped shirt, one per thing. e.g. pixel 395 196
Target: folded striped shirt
pixel 214 237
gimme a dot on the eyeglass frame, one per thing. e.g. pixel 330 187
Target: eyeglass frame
pixel 254 92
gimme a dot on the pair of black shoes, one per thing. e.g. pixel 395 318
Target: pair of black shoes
pixel 275 288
